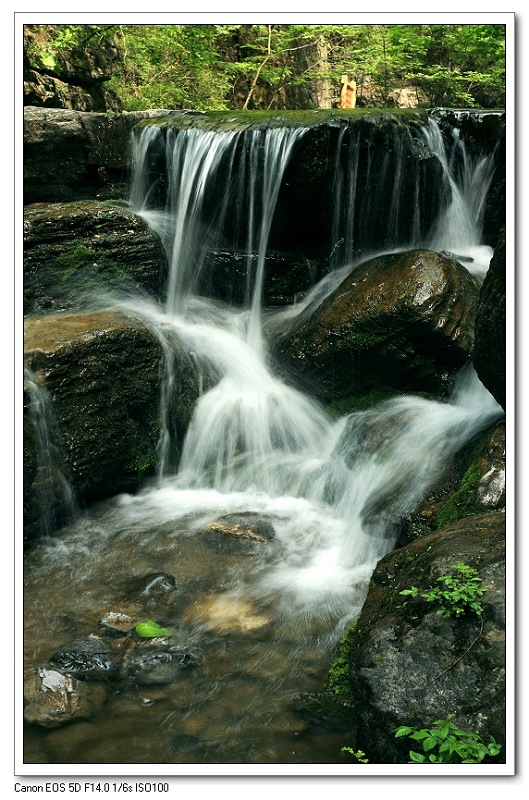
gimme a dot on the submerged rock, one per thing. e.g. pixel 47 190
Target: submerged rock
pixel 227 613
pixel 52 698
pixel 402 321
pixel 158 662
pixel 90 658
pixel 154 583
pixel 238 532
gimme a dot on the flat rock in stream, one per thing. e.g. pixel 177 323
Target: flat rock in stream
pixel 227 613
pixel 238 532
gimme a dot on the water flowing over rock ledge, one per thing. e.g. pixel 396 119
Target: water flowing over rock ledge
pixel 270 511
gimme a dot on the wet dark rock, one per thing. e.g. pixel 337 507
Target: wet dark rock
pixel 52 698
pixel 490 355
pixel 158 663
pixel 156 583
pixel 74 155
pixel 402 321
pixel 407 665
pixel 89 658
pixel 286 277
pixel 78 250
pixel 473 484
pixel 102 372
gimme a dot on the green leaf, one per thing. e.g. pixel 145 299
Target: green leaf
pixel 150 630
pixel 404 730
pixel 429 744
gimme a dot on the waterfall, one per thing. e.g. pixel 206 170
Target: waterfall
pixel 330 494
pixel 376 193
pixel 458 228
pixel 54 496
pixel 338 490
pixel 378 205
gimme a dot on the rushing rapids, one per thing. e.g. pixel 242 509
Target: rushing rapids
pixel 334 490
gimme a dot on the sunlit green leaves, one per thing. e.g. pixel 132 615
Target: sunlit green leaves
pixel 446 743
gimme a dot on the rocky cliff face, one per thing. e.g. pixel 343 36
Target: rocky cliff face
pixel 490 353
pixel 72 77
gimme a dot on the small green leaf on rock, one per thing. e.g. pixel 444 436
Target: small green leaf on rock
pixel 150 629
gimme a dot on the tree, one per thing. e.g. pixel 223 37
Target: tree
pixel 170 66
pixel 219 67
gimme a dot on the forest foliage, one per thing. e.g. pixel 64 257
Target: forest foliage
pixel 222 67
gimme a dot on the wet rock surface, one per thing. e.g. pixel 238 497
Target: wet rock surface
pixel 159 662
pixel 73 155
pixel 75 252
pixel 490 355
pixel 102 372
pixel 474 483
pixel 89 658
pixel 52 698
pixel 400 321
pixel 407 665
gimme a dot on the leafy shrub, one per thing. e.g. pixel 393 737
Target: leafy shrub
pixel 459 593
pixel 445 743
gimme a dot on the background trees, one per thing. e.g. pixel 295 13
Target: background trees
pixel 217 67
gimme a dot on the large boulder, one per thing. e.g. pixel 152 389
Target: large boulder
pixel 401 322
pixel 404 664
pixel 102 372
pixel 73 250
pixel 490 354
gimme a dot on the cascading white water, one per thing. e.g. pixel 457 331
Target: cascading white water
pixel 458 228
pixel 335 491
pixel 260 444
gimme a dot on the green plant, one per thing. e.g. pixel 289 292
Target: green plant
pixel 151 630
pixel 459 593
pixel 359 755
pixel 445 743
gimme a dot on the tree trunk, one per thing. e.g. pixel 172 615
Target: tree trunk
pixel 322 89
